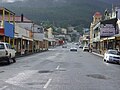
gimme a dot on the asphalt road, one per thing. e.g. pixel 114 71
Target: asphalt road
pixel 60 69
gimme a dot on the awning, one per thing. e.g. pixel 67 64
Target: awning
pixel 17 36
pixel 26 38
pixel 117 35
pixel 103 39
pixel 45 39
pixel 110 38
pixel 50 39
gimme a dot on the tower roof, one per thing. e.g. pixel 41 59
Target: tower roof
pixel 97 14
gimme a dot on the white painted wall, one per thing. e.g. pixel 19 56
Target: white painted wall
pixel 50 35
pixel 118 22
pixel 21 31
pixel 38 33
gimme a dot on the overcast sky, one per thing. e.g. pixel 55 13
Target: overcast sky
pixel 11 1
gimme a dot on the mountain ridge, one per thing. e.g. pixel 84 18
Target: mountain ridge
pixel 60 12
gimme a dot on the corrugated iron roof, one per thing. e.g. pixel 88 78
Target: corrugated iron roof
pixel 17 19
pixel 97 14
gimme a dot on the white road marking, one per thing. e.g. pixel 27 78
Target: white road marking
pixel 21 76
pixel 58 67
pixel 48 82
pixel 3 88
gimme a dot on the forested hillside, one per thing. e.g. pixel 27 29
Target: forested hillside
pixel 60 12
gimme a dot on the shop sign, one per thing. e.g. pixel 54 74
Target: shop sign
pixel 107 30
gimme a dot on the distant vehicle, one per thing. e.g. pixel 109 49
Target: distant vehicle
pixel 86 48
pixel 73 49
pixel 76 44
pixel 7 52
pixel 61 42
pixel 64 46
pixel 112 56
pixel 80 46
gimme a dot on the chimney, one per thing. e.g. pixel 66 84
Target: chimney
pixel 22 18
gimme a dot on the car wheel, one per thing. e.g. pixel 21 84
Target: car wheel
pixel 14 60
pixel 104 60
pixel 107 61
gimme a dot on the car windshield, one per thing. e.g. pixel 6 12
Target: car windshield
pixel 2 46
pixel 113 52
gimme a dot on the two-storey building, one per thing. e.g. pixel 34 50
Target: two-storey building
pixel 7 27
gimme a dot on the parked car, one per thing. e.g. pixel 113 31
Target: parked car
pixel 73 49
pixel 7 53
pixel 80 46
pixel 76 43
pixel 112 56
pixel 64 46
pixel 86 48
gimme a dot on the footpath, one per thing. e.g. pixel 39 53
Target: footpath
pixel 98 54
pixel 28 54
pixel 35 52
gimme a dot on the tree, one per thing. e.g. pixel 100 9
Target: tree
pixel 79 29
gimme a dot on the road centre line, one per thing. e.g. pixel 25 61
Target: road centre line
pixel 58 67
pixel 3 88
pixel 48 82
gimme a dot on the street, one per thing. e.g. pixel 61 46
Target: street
pixel 60 69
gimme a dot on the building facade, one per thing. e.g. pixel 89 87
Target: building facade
pixel 104 34
pixel 94 32
pixel 6 26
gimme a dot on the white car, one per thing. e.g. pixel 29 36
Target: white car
pixel 80 46
pixel 73 49
pixel 86 48
pixel 112 56
pixel 7 52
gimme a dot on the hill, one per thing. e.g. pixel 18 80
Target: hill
pixel 60 12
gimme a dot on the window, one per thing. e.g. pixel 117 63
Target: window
pixel 2 46
pixel 8 46
pixel 113 52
